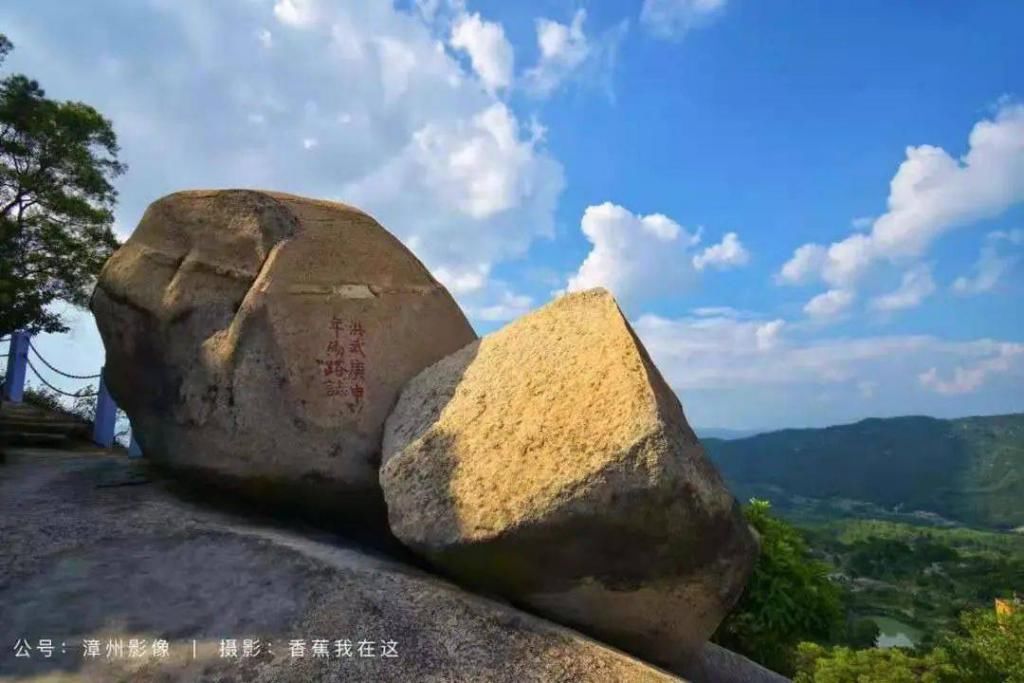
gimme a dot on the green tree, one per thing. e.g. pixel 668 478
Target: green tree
pixel 789 598
pixel 817 664
pixel 57 161
pixel 985 649
pixel 988 647
pixel 861 633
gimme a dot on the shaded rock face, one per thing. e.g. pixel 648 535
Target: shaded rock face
pixel 551 463
pixel 262 338
pixel 89 558
pixel 715 664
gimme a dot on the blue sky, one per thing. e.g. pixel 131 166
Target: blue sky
pixel 812 212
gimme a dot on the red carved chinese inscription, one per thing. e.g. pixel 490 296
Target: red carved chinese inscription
pixel 343 367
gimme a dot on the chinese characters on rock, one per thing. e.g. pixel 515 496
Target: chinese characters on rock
pixel 343 367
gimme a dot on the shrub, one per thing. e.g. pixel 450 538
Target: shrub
pixel 789 598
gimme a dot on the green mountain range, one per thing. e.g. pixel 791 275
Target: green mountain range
pixel 967 470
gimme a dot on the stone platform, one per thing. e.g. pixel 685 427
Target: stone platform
pixel 93 547
pixel 97 551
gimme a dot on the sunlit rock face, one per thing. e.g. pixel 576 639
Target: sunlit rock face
pixel 551 463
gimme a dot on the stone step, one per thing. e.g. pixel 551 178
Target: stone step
pixel 8 435
pixel 39 439
pixel 24 424
pixel 7 413
pixel 26 412
pixel 33 424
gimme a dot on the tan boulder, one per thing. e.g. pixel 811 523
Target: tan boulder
pixel 551 463
pixel 262 338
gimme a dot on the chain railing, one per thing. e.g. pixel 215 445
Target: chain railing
pixel 77 394
pixel 34 350
pixel 5 343
pixel 18 361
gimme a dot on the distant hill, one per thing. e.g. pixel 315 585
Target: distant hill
pixel 723 433
pixel 970 470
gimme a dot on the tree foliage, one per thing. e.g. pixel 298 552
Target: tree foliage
pixel 984 649
pixel 57 163
pixel 989 648
pixel 861 633
pixel 817 664
pixel 789 598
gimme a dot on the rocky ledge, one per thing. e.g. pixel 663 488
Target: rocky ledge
pixel 101 554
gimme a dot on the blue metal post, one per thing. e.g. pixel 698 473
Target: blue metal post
pixel 17 360
pixel 106 415
pixel 134 449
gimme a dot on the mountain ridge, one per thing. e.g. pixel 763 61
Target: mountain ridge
pixel 968 469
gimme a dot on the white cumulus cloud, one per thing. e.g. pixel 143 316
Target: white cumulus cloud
pixel 641 257
pixel 489 51
pixel 930 194
pixel 728 253
pixel 296 12
pixel 634 256
pixel 394 122
pixel 672 19
pixel 967 379
pixel 917 285
pixel 998 257
pixel 568 54
pixel 830 304
pixel 767 334
pixel 563 49
pixel 805 264
pixel 491 191
pixel 740 371
pixel 509 307
pixel 465 280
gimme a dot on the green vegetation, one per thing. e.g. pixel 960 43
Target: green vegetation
pixel 983 648
pixel 921 576
pixel 970 470
pixel 818 664
pixel 82 406
pixel 788 599
pixel 57 160
pixel 811 606
pixel 988 648
pixel 963 539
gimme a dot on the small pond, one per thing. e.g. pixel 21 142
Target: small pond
pixel 894 633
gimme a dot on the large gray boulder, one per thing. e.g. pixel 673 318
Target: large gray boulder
pixel 260 339
pixel 92 552
pixel 715 664
pixel 551 463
